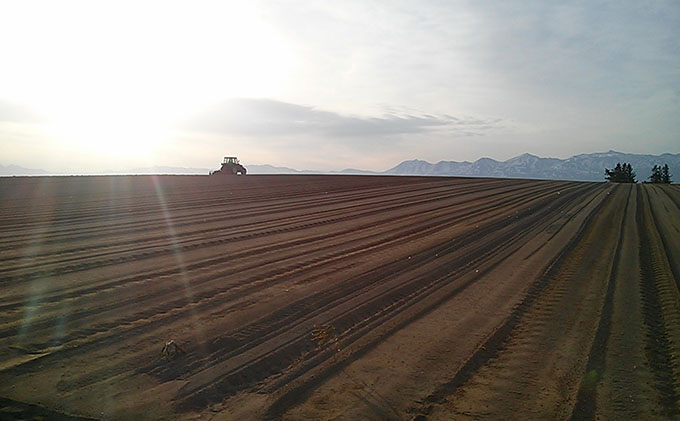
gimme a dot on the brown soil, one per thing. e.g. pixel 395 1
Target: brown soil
pixel 338 297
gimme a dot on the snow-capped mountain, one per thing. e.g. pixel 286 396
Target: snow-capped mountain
pixel 584 167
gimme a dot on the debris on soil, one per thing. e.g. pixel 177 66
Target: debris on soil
pixel 171 350
pixel 324 334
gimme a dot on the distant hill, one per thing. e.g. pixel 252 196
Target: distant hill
pixel 584 167
pixel 270 169
pixel 17 170
pixel 354 171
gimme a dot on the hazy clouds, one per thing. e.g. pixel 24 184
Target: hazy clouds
pixel 317 84
pixel 266 117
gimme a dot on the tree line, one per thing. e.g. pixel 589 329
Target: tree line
pixel 660 175
pixel 623 173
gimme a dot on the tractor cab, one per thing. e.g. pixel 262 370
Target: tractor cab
pixel 230 166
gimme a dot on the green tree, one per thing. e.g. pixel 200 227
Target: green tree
pixel 660 175
pixel 620 174
pixel 613 175
pixel 629 174
pixel 656 175
pixel 666 174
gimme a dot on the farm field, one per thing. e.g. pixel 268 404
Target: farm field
pixel 338 297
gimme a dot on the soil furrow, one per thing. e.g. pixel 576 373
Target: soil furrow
pixel 225 384
pixel 339 297
pixel 511 354
pixel 249 233
pixel 660 308
pixel 447 220
pixel 216 293
pixel 586 400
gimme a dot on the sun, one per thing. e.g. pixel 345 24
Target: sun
pixel 116 78
pixel 116 138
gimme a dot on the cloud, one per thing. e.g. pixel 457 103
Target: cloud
pixel 267 117
pixel 596 51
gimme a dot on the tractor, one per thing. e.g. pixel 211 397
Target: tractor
pixel 230 166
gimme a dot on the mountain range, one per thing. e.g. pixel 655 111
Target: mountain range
pixel 17 170
pixel 584 167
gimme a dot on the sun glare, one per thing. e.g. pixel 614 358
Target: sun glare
pixel 114 78
pixel 125 138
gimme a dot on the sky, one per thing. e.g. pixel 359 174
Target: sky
pixel 93 86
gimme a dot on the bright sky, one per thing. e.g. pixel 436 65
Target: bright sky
pixel 89 86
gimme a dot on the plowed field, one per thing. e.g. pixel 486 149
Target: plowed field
pixel 338 297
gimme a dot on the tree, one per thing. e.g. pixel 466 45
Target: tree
pixel 613 175
pixel 620 174
pixel 665 175
pixel 629 173
pixel 656 175
pixel 660 175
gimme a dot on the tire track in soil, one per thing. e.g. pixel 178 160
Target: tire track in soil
pixel 14 410
pixel 80 292
pixel 234 211
pixel 404 236
pixel 241 191
pixel 181 302
pixel 357 320
pixel 169 316
pixel 507 359
pixel 672 193
pixel 225 385
pixel 660 306
pixel 250 233
pixel 159 222
pixel 243 234
pixel 586 400
pixel 237 208
pixel 260 326
pixel 671 229
pixel 625 388
pixel 276 213
pixel 296 395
